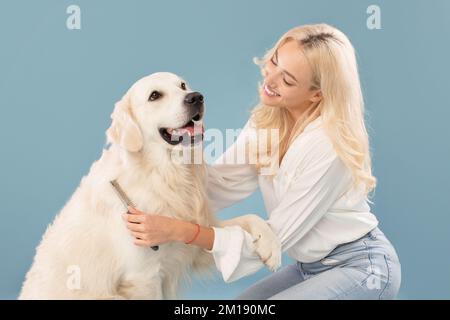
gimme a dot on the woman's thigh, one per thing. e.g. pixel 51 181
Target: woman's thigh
pixel 345 283
pixel 365 269
pixel 267 287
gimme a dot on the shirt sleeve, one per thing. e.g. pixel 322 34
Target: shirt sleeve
pixel 231 178
pixel 234 253
pixel 319 180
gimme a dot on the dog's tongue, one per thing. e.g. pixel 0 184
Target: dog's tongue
pixel 191 130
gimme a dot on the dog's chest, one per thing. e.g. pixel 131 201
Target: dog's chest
pixel 177 194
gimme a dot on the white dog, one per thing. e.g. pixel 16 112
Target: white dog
pixel 88 253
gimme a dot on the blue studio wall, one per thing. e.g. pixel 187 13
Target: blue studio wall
pixel 58 87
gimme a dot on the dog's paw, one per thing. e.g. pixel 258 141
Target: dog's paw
pixel 266 243
pixel 268 247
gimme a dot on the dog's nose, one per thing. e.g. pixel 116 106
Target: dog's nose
pixel 193 99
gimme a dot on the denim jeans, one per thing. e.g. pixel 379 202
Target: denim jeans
pixel 367 268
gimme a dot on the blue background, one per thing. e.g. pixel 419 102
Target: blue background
pixel 58 87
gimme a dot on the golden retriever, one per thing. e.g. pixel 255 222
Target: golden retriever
pixel 87 252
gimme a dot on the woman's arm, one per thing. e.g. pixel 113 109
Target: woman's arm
pixel 230 181
pixel 232 246
pixel 150 230
pixel 184 231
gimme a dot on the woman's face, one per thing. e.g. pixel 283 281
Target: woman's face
pixel 287 80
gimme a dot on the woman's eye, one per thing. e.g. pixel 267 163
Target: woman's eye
pixel 289 84
pixel 154 95
pixel 183 86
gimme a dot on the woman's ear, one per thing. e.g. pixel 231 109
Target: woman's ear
pixel 316 96
pixel 124 131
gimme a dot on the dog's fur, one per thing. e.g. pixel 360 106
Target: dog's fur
pixel 88 253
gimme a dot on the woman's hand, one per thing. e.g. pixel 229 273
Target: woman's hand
pixel 150 230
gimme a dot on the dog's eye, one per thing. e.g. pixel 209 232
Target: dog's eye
pixel 155 95
pixel 183 86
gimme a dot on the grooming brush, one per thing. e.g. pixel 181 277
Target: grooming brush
pixel 125 200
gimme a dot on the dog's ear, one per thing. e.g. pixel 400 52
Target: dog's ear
pixel 124 130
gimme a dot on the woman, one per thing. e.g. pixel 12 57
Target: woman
pixel 317 198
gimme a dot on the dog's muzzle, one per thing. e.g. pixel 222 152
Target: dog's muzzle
pixel 192 131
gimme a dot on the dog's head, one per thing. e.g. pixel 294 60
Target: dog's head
pixel 158 108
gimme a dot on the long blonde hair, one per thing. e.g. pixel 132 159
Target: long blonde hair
pixel 332 59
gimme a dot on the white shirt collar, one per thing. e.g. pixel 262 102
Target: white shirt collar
pixel 293 147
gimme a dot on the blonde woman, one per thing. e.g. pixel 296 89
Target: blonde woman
pixel 317 198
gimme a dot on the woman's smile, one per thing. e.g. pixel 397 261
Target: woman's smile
pixel 269 92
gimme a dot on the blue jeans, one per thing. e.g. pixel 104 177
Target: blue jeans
pixel 367 268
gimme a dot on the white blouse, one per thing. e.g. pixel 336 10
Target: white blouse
pixel 306 202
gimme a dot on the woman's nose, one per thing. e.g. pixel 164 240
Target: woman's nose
pixel 272 78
